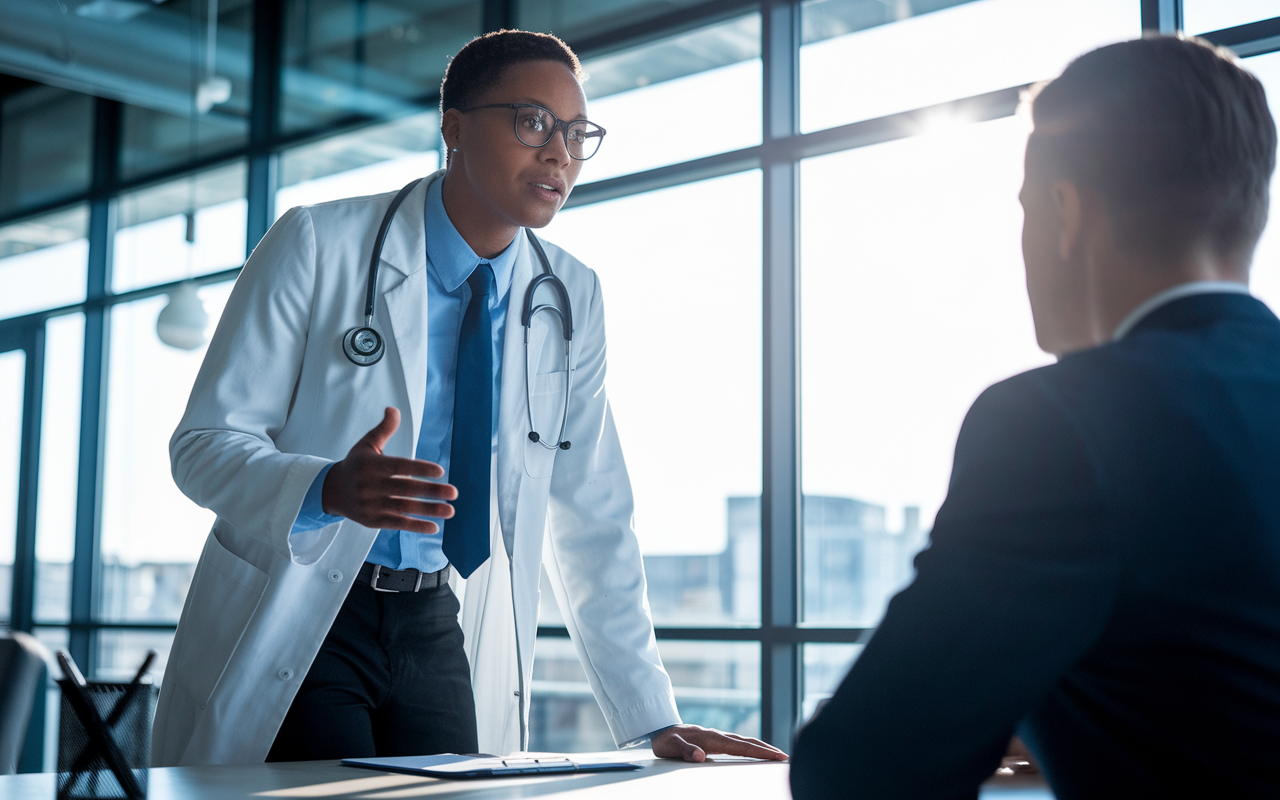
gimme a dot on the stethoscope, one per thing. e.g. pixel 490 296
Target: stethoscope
pixel 364 346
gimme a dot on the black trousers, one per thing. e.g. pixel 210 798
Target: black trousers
pixel 391 679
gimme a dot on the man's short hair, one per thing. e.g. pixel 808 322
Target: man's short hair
pixel 1173 135
pixel 481 63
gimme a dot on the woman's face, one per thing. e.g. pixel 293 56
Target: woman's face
pixel 521 185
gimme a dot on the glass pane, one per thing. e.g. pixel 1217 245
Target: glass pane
pixel 120 653
pixel 45 135
pixel 575 21
pixel 12 380
pixel 690 427
pixel 717 684
pixel 151 533
pixel 180 229
pixel 351 58
pixel 59 466
pixel 676 99
pixel 44 262
pixel 941 55
pixel 1265 278
pixel 166 122
pixel 379 158
pixel 1202 16
pixel 825 666
pixel 913 301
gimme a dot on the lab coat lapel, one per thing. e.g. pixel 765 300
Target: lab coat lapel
pixel 403 286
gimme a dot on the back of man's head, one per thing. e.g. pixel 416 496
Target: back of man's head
pixel 1174 136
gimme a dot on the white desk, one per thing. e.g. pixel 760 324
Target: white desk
pixel 323 780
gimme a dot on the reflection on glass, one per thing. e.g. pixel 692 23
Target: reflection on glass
pixel 684 97
pixel 913 301
pixel 59 464
pixel 175 118
pixel 717 684
pixel 575 21
pixel 1265 278
pixel 683 304
pixel 379 158
pixel 120 653
pixel 351 58
pixel 151 533
pixel 44 146
pixel 12 366
pixel 985 45
pixel 825 666
pixel 44 262
pixel 1202 16
pixel 187 227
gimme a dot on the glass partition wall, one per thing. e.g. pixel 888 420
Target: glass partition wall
pixel 804 220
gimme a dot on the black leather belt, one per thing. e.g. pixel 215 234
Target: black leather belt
pixel 385 579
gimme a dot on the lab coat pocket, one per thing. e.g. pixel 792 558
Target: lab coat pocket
pixel 223 597
pixel 547 393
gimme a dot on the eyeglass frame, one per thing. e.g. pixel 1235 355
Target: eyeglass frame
pixel 559 124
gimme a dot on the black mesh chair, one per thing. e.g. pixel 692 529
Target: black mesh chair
pixel 22 662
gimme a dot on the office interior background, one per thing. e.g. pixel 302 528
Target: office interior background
pixel 805 222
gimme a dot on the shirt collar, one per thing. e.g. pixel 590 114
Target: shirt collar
pixel 1174 293
pixel 449 255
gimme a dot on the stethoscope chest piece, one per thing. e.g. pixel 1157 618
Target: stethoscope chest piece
pixel 363 346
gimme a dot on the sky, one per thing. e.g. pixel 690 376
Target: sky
pixel 912 290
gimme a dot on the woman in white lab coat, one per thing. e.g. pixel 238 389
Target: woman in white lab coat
pixel 277 400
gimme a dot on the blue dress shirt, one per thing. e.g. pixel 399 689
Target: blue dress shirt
pixel 449 261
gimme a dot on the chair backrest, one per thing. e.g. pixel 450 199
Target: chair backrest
pixel 22 661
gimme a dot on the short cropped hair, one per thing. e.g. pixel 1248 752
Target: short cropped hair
pixel 481 63
pixel 1174 136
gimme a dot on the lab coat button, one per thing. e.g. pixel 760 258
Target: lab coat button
pixel 285 674
pixel 335 575
pixel 517 692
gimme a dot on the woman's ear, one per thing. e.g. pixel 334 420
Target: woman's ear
pixel 451 125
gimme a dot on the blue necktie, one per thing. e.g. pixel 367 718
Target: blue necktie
pixel 466 534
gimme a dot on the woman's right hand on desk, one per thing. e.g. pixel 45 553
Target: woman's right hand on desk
pixel 381 491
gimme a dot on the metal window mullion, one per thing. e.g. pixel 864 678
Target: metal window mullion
pixel 22 608
pixel 780 500
pixel 86 557
pixel 1163 16
pixel 264 113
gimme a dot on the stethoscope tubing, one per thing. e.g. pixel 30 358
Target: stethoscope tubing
pixel 527 313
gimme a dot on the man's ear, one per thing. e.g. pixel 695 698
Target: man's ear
pixel 451 128
pixel 1068 208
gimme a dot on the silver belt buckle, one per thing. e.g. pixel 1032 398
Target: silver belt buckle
pixel 377 573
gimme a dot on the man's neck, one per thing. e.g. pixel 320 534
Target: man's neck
pixel 484 232
pixel 1122 287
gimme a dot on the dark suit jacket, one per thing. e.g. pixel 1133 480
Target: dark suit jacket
pixel 1104 574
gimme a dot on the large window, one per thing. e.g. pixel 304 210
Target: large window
pixel 854 66
pixel 800 306
pixel 151 533
pixel 683 313
pixel 43 261
pixel 913 302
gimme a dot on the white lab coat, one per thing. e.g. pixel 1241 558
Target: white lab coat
pixel 276 400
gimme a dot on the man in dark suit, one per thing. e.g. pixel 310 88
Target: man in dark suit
pixel 1104 577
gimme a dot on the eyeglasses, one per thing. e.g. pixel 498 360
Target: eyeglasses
pixel 536 125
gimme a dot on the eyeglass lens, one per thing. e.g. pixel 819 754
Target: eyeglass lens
pixel 535 127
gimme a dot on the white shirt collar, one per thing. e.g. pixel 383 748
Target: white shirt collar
pixel 1169 295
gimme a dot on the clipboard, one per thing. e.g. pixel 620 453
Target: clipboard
pixel 456 767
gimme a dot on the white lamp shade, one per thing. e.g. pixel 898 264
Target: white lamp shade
pixel 183 322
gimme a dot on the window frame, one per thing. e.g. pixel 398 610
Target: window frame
pixel 780 635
